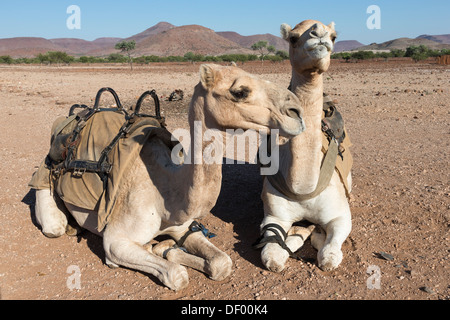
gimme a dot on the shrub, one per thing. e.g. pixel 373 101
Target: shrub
pixel 6 59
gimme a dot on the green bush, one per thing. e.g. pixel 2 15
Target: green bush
pixel 116 58
pixel 59 57
pixel 6 59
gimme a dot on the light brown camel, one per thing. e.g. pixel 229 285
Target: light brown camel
pixel 311 44
pixel 159 197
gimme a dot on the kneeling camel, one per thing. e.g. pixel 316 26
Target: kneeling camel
pixel 160 197
pixel 300 191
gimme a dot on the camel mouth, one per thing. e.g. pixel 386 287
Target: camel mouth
pixel 318 49
pixel 291 127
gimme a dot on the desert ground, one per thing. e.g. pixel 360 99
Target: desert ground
pixel 397 115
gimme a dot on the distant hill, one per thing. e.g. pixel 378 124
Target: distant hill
pixel 192 38
pixel 75 46
pixel 444 38
pixel 347 45
pixel 165 39
pixel 403 43
pixel 26 47
pixel 248 41
pixel 156 29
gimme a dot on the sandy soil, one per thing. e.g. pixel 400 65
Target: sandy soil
pixel 397 116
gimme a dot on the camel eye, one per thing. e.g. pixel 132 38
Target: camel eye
pixel 241 93
pixel 333 38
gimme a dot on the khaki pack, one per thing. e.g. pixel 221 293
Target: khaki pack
pixel 91 153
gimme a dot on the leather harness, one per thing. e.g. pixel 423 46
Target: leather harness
pixel 61 155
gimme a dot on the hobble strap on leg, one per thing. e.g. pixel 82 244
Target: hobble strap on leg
pixel 172 248
pixel 263 240
pixel 195 227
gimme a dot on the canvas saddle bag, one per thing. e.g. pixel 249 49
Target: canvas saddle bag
pixel 92 151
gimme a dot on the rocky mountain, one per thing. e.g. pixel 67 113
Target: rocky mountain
pixel 248 41
pixel 347 45
pixel 156 29
pixel 192 38
pixel 444 38
pixel 26 46
pixel 403 43
pixel 165 39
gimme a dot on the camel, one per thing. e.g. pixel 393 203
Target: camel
pixel 311 44
pixel 160 197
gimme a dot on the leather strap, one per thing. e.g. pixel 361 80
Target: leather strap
pixel 326 172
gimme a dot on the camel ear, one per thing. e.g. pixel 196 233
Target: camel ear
pixel 332 25
pixel 207 76
pixel 285 29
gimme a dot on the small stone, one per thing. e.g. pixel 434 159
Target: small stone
pixel 427 290
pixel 386 256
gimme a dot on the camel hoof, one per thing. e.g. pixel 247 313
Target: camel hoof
pixel 55 232
pixel 329 259
pixel 220 268
pixel 177 278
pixel 274 257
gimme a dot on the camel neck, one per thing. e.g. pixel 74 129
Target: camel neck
pixel 308 87
pixel 302 173
pixel 204 172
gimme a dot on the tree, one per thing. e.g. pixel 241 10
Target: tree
pixel 116 57
pixel 126 47
pixel 384 55
pixel 6 59
pixel 397 53
pixel 282 54
pixel 346 56
pixel 263 49
pixel 58 57
pixel 417 53
pixel 42 58
pixel 363 55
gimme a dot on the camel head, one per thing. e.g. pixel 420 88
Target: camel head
pixel 235 99
pixel 311 45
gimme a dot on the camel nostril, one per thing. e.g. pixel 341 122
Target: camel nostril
pixel 294 113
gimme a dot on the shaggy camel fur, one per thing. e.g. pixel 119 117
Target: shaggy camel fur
pixel 311 44
pixel 160 197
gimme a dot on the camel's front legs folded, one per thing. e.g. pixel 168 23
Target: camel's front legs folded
pixel 129 254
pixel 168 249
pixel 217 264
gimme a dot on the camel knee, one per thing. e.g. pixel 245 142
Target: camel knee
pixel 219 267
pixel 52 220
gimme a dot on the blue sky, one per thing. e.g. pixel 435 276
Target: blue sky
pixel 99 18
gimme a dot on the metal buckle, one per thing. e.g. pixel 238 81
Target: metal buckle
pixel 78 173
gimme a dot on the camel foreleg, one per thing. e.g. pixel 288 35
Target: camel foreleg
pixel 127 253
pixel 218 264
pixel 297 236
pixel 49 215
pixel 329 245
pixel 167 249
